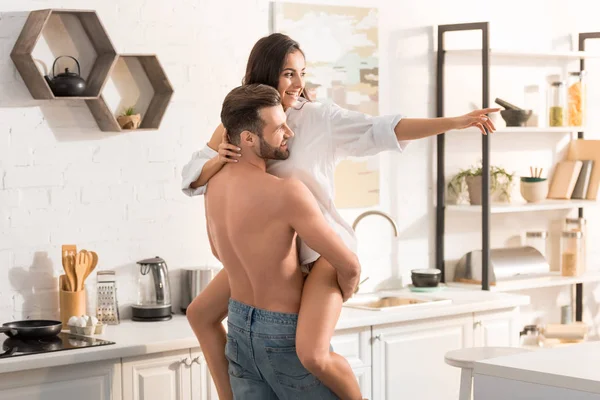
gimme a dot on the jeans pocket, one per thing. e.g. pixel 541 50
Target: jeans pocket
pixel 289 370
pixel 231 353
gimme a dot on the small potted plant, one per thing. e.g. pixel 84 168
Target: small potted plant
pixel 129 119
pixel 470 179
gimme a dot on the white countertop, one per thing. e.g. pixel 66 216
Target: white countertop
pixel 572 367
pixel 140 338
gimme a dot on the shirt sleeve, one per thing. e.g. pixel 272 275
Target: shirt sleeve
pixel 191 171
pixel 355 134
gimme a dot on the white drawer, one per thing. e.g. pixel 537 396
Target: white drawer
pixel 354 344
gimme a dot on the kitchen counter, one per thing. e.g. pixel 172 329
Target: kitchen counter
pixel 140 338
pixel 569 372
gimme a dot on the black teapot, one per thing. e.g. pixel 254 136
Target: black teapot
pixel 66 83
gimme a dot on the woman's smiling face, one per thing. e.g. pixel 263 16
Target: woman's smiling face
pixel 291 79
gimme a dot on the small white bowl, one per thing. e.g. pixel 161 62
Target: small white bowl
pixel 534 190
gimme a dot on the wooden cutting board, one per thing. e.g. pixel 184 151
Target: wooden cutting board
pixel 582 149
pixel 564 179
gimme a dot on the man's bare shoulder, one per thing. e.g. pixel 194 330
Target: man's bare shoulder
pixel 294 191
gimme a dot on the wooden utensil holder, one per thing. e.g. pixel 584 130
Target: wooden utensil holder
pixel 71 303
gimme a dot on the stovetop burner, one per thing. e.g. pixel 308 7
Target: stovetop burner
pixel 12 347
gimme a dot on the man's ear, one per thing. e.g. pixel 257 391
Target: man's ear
pixel 247 138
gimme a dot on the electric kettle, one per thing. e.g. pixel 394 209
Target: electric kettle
pixel 154 294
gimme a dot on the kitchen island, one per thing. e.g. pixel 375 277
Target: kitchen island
pixel 392 353
pixel 569 372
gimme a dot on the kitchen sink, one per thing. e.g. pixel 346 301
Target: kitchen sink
pixel 384 302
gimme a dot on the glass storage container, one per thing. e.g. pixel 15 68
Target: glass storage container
pixel 579 225
pixel 557 104
pixel 576 98
pixel 571 252
pixel 537 240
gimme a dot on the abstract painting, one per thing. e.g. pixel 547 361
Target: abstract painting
pixel 342 66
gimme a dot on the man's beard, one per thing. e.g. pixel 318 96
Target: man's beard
pixel 269 152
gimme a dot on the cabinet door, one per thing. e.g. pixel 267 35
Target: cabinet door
pixel 408 358
pixel 496 328
pixel 90 381
pixel 354 345
pixel 203 387
pixel 364 377
pixel 162 376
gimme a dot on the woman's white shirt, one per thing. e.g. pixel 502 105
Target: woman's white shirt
pixel 324 134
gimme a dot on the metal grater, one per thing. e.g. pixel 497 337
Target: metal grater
pixel 107 306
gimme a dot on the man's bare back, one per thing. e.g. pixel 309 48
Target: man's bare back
pixel 253 237
pixel 253 217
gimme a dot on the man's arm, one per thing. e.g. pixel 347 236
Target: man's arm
pixel 306 219
pixel 417 128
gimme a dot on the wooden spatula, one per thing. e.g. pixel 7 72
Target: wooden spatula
pixel 69 266
pixel 68 252
pixel 81 267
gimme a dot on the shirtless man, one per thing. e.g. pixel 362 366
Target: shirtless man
pixel 252 220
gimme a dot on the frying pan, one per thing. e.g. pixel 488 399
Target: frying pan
pixel 31 328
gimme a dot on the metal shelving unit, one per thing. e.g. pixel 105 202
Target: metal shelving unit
pixel 486 208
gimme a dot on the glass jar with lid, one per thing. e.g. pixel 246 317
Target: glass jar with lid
pixel 576 98
pixel 557 104
pixel 537 240
pixel 579 225
pixel 571 252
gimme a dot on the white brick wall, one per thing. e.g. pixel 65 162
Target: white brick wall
pixel 64 181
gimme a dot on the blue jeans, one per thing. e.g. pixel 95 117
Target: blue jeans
pixel 263 364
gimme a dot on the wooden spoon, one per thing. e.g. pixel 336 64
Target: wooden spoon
pixel 92 264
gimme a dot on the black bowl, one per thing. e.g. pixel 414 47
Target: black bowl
pixel 426 277
pixel 515 117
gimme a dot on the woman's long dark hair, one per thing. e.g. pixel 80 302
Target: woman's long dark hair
pixel 267 59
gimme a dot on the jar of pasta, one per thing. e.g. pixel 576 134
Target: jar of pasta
pixel 579 224
pixel 557 104
pixel 571 261
pixel 576 96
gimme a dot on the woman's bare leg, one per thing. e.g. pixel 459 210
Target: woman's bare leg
pixel 320 309
pixel 205 315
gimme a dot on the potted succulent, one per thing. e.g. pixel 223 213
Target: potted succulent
pixel 129 119
pixel 470 179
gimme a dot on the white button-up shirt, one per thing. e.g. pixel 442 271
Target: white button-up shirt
pixel 324 134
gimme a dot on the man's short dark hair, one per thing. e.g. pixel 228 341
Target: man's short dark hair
pixel 241 109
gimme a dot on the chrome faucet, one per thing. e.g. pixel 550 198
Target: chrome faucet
pixel 374 212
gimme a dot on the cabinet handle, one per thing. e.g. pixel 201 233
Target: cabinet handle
pixel 476 324
pixel 377 337
pixel 187 362
pixel 196 360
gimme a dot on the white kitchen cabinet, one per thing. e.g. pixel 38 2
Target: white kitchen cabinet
pixel 496 328
pixel 203 386
pixel 162 376
pixel 90 381
pixel 355 345
pixel 408 358
pixel 364 376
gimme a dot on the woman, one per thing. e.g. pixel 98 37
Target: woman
pixel 323 135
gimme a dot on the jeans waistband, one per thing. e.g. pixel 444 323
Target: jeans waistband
pixel 258 320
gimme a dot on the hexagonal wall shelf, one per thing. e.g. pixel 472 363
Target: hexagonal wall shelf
pixel 78 32
pixel 138 81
